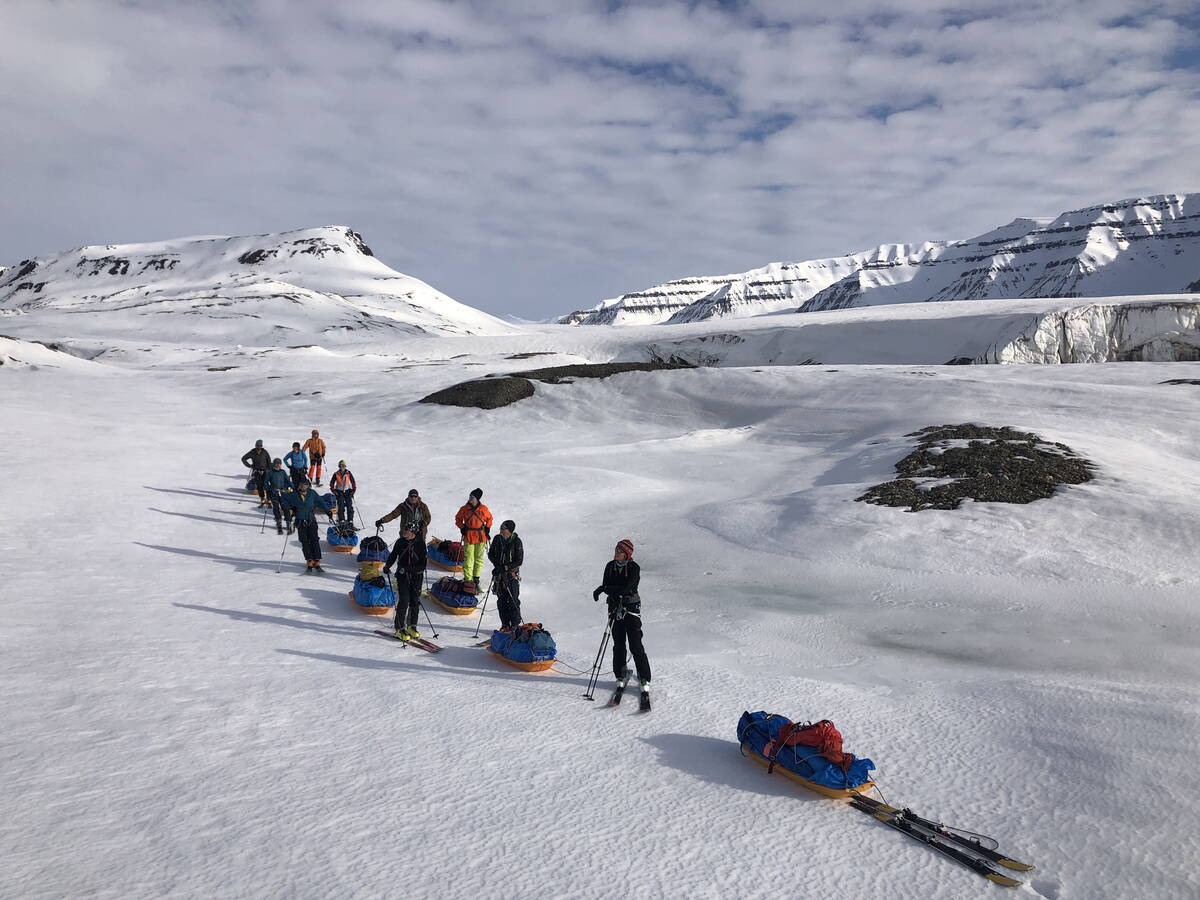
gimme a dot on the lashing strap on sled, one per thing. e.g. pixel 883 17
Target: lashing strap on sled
pixel 823 736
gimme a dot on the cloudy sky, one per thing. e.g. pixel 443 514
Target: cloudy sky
pixel 531 157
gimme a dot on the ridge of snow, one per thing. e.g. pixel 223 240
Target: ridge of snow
pixel 315 284
pixel 1145 245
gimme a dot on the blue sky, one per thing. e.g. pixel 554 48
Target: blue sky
pixel 537 156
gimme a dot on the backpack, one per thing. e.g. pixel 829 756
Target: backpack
pixel 456 585
pixel 345 530
pixel 823 736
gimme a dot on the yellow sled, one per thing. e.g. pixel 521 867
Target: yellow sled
pixel 834 793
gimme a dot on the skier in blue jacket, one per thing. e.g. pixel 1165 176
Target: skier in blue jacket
pixel 277 485
pixel 306 504
pixel 297 463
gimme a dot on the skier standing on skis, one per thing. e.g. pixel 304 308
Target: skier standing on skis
pixel 620 583
pixel 474 521
pixel 343 486
pixel 278 484
pixel 315 447
pixel 507 553
pixel 297 463
pixel 408 556
pixel 306 504
pixel 412 511
pixel 258 461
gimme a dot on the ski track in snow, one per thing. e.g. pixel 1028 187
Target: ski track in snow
pixel 182 721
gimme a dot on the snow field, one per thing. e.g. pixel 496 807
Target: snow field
pixel 183 721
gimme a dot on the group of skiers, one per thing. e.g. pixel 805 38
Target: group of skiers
pixel 289 495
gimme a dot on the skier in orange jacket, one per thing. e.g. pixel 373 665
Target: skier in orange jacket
pixel 315 448
pixel 474 521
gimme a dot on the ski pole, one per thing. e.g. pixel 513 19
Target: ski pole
pixel 479 624
pixel 281 552
pixel 264 521
pixel 427 619
pixel 590 693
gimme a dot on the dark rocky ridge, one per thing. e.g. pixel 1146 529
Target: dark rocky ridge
pixel 496 391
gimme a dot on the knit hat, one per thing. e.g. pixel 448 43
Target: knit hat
pixel 626 546
pixel 295 444
pixel 477 493
pixel 258 443
pixel 508 525
pixel 341 462
pixel 414 493
pixel 277 461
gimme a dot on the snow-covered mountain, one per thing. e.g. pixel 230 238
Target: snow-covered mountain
pixel 312 285
pixel 1143 246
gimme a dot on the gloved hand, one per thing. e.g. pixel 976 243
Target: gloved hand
pixel 596 594
pixel 387 570
pixel 378 524
pixel 463 532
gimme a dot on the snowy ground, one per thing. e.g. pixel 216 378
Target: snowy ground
pixel 180 720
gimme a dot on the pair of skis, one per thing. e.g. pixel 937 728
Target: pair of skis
pixel 643 698
pixel 962 847
pixel 411 642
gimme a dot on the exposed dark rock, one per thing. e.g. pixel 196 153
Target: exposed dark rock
pixel 599 370
pixel 221 368
pixel 490 393
pixel 487 393
pixel 960 361
pixel 250 257
pixel 356 239
pixel 36 287
pixel 27 266
pixel 1181 381
pixel 1194 287
pixel 318 247
pixel 999 465
pixel 531 354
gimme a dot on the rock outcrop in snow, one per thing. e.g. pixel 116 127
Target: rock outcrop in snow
pixel 318 285
pixel 1140 246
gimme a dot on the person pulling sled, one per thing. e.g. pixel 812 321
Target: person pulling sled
pixel 507 553
pixel 408 556
pixel 305 504
pixel 621 578
pixel 278 484
pixel 343 486
pixel 412 511
pixel 474 521
pixel 258 461
pixel 297 463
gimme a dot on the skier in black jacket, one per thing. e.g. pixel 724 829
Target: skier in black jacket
pixel 258 461
pixel 507 553
pixel 409 557
pixel 621 577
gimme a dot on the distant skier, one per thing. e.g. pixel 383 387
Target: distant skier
pixel 258 461
pixel 278 485
pixel 412 511
pixel 474 521
pixel 620 583
pixel 343 486
pixel 306 504
pixel 315 447
pixel 507 553
pixel 297 463
pixel 408 556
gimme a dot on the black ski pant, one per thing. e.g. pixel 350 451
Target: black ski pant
pixel 307 529
pixel 260 482
pixel 345 506
pixel 508 600
pixel 282 513
pixel 408 598
pixel 629 629
pixel 298 475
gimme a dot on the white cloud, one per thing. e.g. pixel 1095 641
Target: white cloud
pixel 532 157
